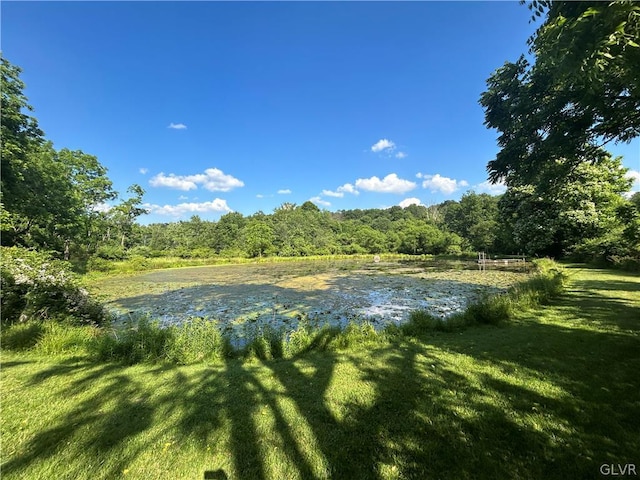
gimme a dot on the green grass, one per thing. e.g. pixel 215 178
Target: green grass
pixel 138 264
pixel 554 393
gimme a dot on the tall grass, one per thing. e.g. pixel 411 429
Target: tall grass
pixel 197 340
pixel 144 340
pixel 270 344
pixel 547 282
pixel 50 338
pixel 141 340
pixel 267 344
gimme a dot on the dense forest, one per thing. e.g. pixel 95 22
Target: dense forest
pixel 566 196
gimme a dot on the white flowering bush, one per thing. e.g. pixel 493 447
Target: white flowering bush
pixel 36 287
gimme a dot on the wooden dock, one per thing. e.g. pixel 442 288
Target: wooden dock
pixel 519 262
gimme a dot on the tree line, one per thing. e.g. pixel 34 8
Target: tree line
pixel 589 220
pixel 303 230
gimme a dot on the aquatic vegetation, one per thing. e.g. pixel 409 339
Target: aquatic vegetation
pixel 246 300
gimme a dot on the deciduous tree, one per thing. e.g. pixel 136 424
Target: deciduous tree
pixel 554 221
pixel 582 92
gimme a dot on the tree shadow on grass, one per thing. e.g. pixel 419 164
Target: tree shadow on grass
pixel 90 371
pixel 587 347
pixel 412 413
pixel 593 376
pixel 590 306
pixel 15 363
pixel 92 429
pixel 617 285
pixel 425 421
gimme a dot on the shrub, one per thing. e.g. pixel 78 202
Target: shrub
pixel 453 250
pixel 619 248
pixel 37 287
pixel 138 262
pixel 232 253
pixel 142 251
pixel 202 252
pixel 628 263
pixel 546 267
pixel 96 264
pixel 352 249
pixel 111 252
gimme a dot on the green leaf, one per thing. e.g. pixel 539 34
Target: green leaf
pixel 591 11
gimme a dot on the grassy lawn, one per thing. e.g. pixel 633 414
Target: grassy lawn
pixel 554 394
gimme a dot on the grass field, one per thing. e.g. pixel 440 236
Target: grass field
pixel 555 393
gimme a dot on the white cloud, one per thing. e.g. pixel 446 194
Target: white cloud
pixel 183 197
pixel 284 191
pixel 216 180
pixel 341 190
pixel 319 201
pixel 438 183
pixel 490 188
pixel 101 207
pixel 216 205
pixel 144 171
pixel 178 182
pixel 383 144
pixel 401 155
pixel 634 175
pixel 348 188
pixel 212 179
pixel 389 184
pixel 177 126
pixel 259 195
pixel 410 201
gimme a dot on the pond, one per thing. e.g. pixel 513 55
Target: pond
pixel 246 298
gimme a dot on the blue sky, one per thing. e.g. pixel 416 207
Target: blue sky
pixel 214 107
